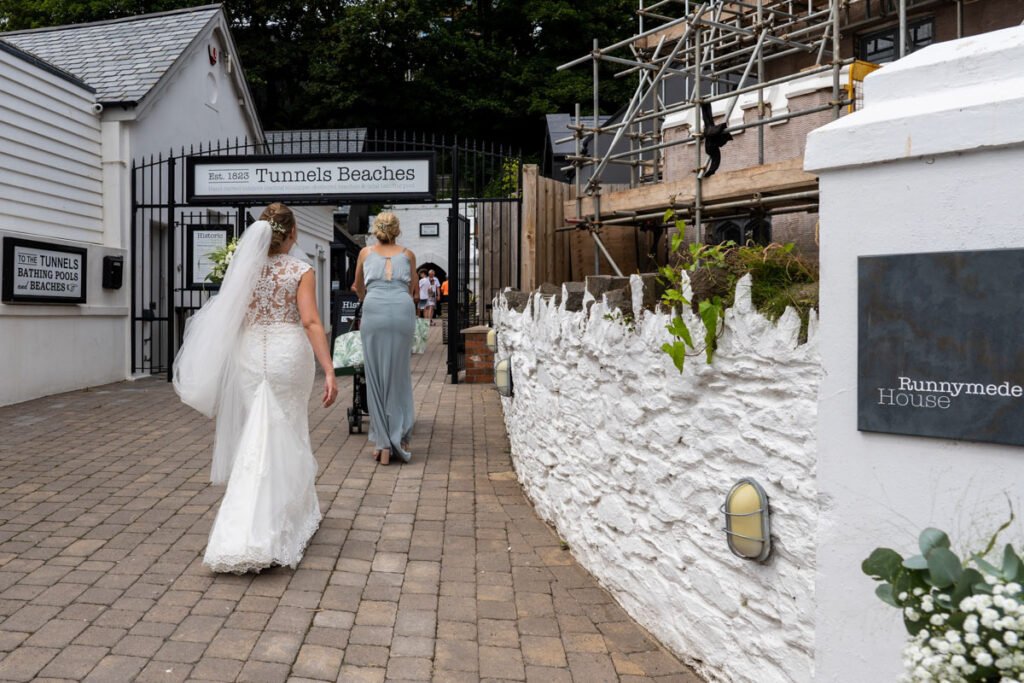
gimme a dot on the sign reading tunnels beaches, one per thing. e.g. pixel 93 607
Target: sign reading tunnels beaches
pixel 311 178
pixel 941 345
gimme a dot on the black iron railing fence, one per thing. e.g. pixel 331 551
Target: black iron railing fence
pixel 480 181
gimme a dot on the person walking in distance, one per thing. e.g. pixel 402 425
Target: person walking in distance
pixel 384 282
pixel 423 284
pixel 433 294
pixel 248 358
pixel 444 293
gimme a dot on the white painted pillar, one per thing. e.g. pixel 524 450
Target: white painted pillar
pixel 117 210
pixel 934 162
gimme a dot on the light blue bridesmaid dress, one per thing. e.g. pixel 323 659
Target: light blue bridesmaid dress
pixel 387 327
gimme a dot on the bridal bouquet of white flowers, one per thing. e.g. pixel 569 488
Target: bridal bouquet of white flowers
pixel 966 623
pixel 221 259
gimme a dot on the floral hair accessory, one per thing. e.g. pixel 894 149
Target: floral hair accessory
pixel 278 228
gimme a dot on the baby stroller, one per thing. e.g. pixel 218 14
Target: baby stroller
pixel 360 407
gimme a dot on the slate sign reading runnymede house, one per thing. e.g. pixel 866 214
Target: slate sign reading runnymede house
pixel 941 345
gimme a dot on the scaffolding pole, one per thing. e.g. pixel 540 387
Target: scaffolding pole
pixel 714 50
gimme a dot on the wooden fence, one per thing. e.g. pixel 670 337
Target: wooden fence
pixel 551 254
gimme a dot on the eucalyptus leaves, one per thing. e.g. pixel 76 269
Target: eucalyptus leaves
pixel 966 622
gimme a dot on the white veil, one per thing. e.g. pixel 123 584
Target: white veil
pixel 201 368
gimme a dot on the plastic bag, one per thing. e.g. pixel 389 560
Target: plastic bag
pixel 419 337
pixel 348 350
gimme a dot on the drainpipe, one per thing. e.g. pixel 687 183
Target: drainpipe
pixel 903 29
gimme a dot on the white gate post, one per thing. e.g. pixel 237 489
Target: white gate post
pixel 933 163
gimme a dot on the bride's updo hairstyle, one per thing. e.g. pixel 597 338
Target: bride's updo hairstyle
pixel 282 220
pixel 385 227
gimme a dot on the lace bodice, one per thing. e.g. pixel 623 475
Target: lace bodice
pixel 274 298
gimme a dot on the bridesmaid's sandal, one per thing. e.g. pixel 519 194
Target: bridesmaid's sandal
pixel 376 456
pixel 385 456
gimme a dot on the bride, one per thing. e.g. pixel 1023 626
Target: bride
pixel 247 359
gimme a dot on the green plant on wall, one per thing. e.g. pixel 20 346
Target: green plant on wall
pixel 780 279
pixel 505 183
pixel 966 623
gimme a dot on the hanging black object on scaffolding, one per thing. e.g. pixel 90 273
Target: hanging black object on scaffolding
pixel 715 137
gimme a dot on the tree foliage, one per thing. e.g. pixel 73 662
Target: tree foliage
pixel 479 68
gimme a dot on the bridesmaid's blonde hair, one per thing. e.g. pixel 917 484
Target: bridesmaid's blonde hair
pixel 385 227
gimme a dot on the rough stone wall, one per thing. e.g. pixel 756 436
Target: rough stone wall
pixel 630 461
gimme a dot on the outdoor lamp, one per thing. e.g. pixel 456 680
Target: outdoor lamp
pixel 747 524
pixel 503 377
pixel 492 340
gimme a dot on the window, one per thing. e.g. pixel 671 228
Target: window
pixel 881 46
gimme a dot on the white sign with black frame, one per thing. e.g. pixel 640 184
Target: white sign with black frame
pixel 43 272
pixel 331 177
pixel 203 240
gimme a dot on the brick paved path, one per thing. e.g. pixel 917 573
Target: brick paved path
pixel 436 570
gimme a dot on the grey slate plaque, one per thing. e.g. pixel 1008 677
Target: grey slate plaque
pixel 941 345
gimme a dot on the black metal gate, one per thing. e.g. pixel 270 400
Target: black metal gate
pixel 481 181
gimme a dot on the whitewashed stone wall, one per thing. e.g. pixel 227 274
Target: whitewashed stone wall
pixel 630 461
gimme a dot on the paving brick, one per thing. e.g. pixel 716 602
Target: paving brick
pixel 409 668
pixel 317 661
pixel 25 662
pixel 498 633
pixel 277 647
pixel 501 662
pixel 366 655
pixel 291 619
pixel 197 629
pixel 435 570
pixel 213 669
pixel 456 655
pixel 230 643
pixel 74 661
pixel 159 671
pixel 263 672
pixel 375 613
pixel 179 652
pixel 102 636
pixel 57 633
pixel 138 646
pixel 592 667
pixel 351 673
pixel 116 668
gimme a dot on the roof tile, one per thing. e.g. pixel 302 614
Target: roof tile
pixel 122 59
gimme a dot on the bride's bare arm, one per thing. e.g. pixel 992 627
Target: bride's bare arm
pixel 306 300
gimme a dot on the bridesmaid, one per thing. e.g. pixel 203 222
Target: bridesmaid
pixel 388 291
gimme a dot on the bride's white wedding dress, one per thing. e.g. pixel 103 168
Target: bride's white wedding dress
pixel 270 508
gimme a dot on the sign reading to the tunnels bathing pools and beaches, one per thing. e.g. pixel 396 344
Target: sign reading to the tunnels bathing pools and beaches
pixel 941 345
pixel 311 178
pixel 42 272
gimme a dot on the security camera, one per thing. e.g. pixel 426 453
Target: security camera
pixel 97 108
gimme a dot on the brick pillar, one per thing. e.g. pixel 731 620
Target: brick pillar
pixel 479 359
